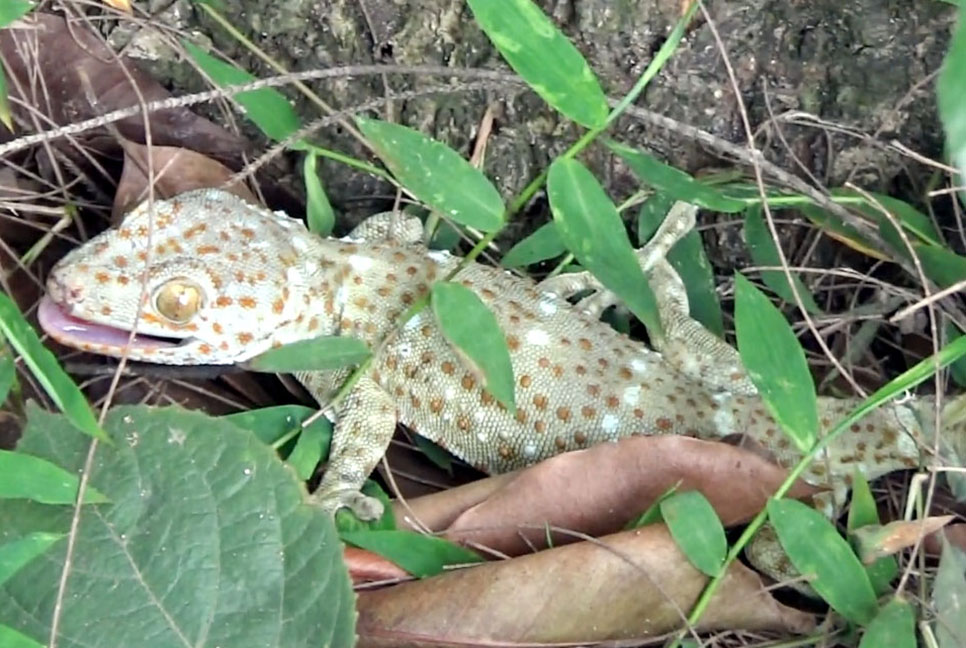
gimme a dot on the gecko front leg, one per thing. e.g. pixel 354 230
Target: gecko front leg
pixel 365 423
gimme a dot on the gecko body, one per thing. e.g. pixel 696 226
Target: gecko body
pixel 218 281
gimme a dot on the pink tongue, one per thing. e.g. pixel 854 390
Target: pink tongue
pixel 72 331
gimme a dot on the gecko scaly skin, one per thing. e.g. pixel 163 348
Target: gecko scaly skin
pixel 224 281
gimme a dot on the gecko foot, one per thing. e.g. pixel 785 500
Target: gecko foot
pixel 366 508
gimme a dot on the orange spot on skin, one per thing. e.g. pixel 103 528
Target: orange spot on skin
pixel 247 233
pixel 540 401
pixel 585 344
pixel 486 398
pixel 278 306
pixel 588 412
pixel 223 301
pixel 448 368
pixel 105 310
pixel 468 382
pixel 563 413
pixel 436 405
pixel 247 302
pixel 664 424
pixel 120 261
pixel 612 401
pixel 593 390
pixel 625 373
pixel 208 249
pixel 194 230
pixel 102 277
pixel 217 328
pixel 580 438
pixel 539 427
pixel 245 338
pixel 512 342
pixel 204 349
pixel 525 381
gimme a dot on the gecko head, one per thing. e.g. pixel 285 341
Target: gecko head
pixel 203 278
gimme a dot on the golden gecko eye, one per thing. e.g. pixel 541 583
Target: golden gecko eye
pixel 178 300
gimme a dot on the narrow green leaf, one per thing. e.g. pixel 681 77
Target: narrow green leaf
pixel 688 258
pixel 818 552
pixel 537 50
pixel 272 423
pixel 893 627
pixel 475 334
pixel 6 115
pixel 951 95
pixel 543 244
pixel 958 369
pixel 434 453
pixel 591 228
pixel 10 638
pixel 912 220
pixel 11 10
pixel 312 445
pixel 863 512
pixel 420 555
pixel 268 108
pixel 317 354
pixel 776 364
pixel 652 513
pixel 675 183
pixel 763 252
pixel 23 476
pixel 697 530
pixel 318 210
pixel 436 174
pixel 942 265
pixel 8 373
pixel 17 553
pixel 949 597
pixel 45 368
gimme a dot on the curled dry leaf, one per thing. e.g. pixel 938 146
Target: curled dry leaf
pixel 365 567
pixel 598 490
pixel 634 584
pixel 955 534
pixel 176 170
pixel 875 541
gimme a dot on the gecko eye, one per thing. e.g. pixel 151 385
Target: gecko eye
pixel 178 300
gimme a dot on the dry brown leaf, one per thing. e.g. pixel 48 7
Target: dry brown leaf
pixel 120 5
pixel 365 567
pixel 176 170
pixel 634 584
pixel 598 490
pixel 875 541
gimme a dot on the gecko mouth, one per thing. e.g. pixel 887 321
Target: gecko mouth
pixel 91 336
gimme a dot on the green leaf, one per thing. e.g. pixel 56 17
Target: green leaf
pixel 346 521
pixel 763 252
pixel 11 10
pixel 942 265
pixel 268 108
pixel 318 210
pixel 688 258
pixel 537 51
pixel 420 555
pixel 893 627
pixel 475 334
pixel 951 95
pixel 912 220
pixel 6 114
pixel 27 477
pixel 949 597
pixel 8 373
pixel 434 453
pixel 776 364
pixel 593 231
pixel 817 551
pixel 17 553
pixel 10 638
pixel 323 353
pixel 436 174
pixel 697 530
pixel 270 424
pixel 312 445
pixel 863 512
pixel 543 244
pixel 210 541
pixel 958 369
pixel 673 182
pixel 652 513
pixel 45 368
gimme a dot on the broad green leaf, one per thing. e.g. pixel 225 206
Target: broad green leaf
pixel 863 512
pixel 543 244
pixel 697 530
pixel 11 10
pixel 268 108
pixel 436 174
pixel 10 638
pixel 673 182
pixel 776 364
pixel 420 555
pixel 6 115
pixel 312 445
pixel 949 597
pixel 475 334
pixel 893 627
pixel 951 96
pixel 652 513
pixel 688 258
pixel 23 476
pixel 8 373
pixel 317 354
pixel 209 541
pixel 537 51
pixel 591 228
pixel 818 552
pixel 763 252
pixel 318 210
pixel 942 265
pixel 17 553
pixel 270 424
pixel 45 368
